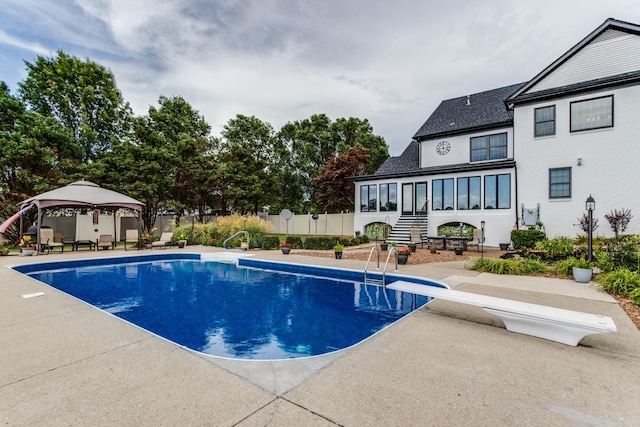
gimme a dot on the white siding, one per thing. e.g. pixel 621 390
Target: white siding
pixel 460 149
pixel 611 54
pixel 610 164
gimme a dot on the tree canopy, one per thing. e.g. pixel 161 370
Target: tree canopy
pixel 69 121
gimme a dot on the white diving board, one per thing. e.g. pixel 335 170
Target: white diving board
pixel 555 324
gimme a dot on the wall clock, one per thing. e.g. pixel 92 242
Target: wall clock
pixel 443 148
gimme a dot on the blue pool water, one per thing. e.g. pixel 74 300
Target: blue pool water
pixel 234 311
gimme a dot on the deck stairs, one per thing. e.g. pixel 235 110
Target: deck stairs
pixel 401 232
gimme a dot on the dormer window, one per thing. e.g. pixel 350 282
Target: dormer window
pixel 489 147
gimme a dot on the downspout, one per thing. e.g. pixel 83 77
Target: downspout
pixel 515 168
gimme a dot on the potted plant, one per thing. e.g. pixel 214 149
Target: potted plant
pixel 244 243
pixel 458 250
pixel 412 247
pixel 27 246
pixel 338 248
pixel 433 249
pixel 582 270
pixel 182 240
pixel 285 247
pixel 5 251
pixel 402 255
pixel 384 246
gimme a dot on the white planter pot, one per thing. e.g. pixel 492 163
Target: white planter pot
pixel 582 275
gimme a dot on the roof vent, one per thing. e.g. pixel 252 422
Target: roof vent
pixel 468 99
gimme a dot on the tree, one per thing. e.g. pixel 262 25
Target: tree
pixel 187 134
pixel 248 162
pixel 36 153
pixel 619 220
pixel 333 191
pixel 312 142
pixel 81 95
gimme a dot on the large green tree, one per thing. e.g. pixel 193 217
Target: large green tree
pixel 36 155
pixel 248 158
pixel 310 143
pixel 81 95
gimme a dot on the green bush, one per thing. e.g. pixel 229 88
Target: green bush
pixel 519 267
pixel 558 247
pixel 296 242
pixel 320 242
pixel 270 242
pixel 635 295
pixel 622 281
pixel 526 238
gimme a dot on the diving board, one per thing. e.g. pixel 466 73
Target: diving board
pixel 555 324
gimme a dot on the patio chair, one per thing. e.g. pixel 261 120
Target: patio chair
pixel 165 240
pixel 416 236
pixel 476 239
pixel 131 236
pixel 105 241
pixel 48 241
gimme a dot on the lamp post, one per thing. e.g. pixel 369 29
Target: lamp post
pixel 482 224
pixel 590 204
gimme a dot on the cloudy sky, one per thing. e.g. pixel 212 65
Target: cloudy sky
pixel 391 62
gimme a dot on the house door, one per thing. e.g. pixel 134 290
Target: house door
pixel 407 199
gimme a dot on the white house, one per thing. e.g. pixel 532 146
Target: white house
pixel 522 154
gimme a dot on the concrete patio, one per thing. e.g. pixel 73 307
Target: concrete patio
pixel 66 363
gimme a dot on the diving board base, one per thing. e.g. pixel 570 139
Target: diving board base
pixel 554 324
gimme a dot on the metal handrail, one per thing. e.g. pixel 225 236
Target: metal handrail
pixel 384 271
pixel 224 244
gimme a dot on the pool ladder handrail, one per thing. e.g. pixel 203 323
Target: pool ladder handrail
pixel 246 233
pixel 380 282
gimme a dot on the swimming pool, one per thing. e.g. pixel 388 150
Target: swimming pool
pixel 254 310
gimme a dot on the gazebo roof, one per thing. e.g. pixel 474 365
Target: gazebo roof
pixel 83 194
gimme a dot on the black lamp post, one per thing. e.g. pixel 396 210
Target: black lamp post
pixel 482 224
pixel 590 204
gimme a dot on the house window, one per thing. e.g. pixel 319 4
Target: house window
pixel 421 198
pixel 442 194
pixel 594 113
pixel 545 121
pixel 497 191
pixel 489 147
pixel 368 200
pixel 388 197
pixel 469 193
pixel 559 183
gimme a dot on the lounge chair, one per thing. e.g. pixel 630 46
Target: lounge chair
pixel 131 236
pixel 105 241
pixel 416 236
pixel 47 240
pixel 165 240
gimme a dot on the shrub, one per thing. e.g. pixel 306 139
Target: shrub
pixel 526 238
pixel 320 242
pixel 618 220
pixel 296 242
pixel 270 242
pixel 565 267
pixel 558 247
pixel 635 295
pixel 507 266
pixel 622 281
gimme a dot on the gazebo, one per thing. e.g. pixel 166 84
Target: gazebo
pixel 82 194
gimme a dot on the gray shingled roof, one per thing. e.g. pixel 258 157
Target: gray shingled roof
pixel 482 110
pixel 408 161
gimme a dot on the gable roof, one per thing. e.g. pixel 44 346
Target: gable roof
pixel 484 110
pixel 610 29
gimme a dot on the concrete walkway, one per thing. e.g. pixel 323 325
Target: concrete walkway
pixel 63 362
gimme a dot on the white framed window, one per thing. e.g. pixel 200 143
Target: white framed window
pixel 596 113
